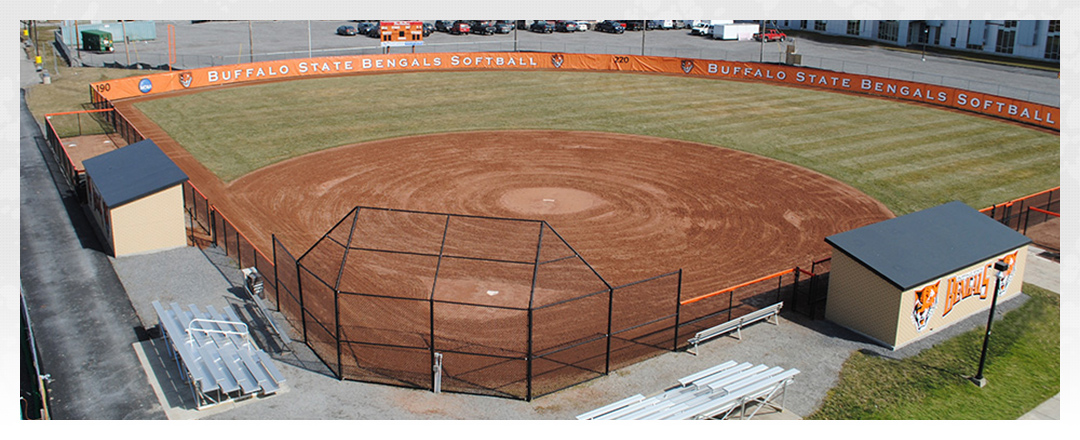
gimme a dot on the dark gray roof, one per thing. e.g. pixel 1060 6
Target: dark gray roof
pixel 916 248
pixel 132 172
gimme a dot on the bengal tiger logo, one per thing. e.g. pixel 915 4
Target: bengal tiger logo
pixel 185 79
pixel 557 60
pixel 1011 261
pixel 687 65
pixel 925 303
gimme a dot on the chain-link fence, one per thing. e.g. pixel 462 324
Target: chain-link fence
pixel 161 61
pixel 497 306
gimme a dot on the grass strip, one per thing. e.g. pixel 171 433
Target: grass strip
pixel 1023 369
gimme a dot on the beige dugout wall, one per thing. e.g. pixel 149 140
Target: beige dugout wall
pixel 861 300
pixel 866 303
pixel 152 223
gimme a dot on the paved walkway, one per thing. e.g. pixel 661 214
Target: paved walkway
pixel 1046 274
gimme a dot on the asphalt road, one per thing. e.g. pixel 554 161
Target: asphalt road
pixel 82 318
pixel 229 42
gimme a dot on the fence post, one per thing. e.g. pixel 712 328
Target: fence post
pixel 213 222
pixel 277 290
pixel 794 288
pixel 678 306
pixel 303 311
pixel 607 351
pixel 730 302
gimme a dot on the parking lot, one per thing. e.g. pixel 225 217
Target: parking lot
pixel 216 43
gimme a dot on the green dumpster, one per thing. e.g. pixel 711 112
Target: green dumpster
pixel 97 41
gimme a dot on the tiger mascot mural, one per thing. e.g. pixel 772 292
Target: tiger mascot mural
pixel 925 303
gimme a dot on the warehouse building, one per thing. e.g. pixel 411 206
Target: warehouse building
pixel 1030 39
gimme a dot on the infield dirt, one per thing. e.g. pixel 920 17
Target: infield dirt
pixel 632 206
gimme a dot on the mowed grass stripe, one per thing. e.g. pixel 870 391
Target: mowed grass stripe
pixel 908 156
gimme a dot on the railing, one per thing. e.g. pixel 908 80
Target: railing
pixel 1016 213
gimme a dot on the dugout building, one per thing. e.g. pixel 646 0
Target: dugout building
pixel 136 199
pixel 902 279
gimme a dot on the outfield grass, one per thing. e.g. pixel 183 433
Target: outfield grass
pixel 1023 369
pixel 909 157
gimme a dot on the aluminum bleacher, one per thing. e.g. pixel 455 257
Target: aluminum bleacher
pixel 712 393
pixel 216 355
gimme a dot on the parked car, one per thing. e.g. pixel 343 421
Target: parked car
pixel 443 25
pixel 482 27
pixel 428 29
pixel 701 28
pixel 542 26
pixel 566 26
pixel 582 25
pixel 346 30
pixel 609 26
pixel 364 28
pixel 460 27
pixel 632 25
pixel 654 25
pixel 770 35
pixel 504 26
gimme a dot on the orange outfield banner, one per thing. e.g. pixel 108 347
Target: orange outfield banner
pixel 982 103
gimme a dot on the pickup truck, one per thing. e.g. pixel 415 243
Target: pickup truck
pixel 770 35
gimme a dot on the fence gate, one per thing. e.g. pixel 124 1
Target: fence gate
pixel 811 293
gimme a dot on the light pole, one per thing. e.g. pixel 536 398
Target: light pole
pixel 127 54
pixel 925 39
pixel 251 44
pixel 761 54
pixel 644 27
pixel 1000 266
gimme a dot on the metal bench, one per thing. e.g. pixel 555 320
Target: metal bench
pixel 737 324
pixel 716 391
pixel 216 355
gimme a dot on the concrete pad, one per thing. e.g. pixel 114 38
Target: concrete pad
pixel 766 412
pixel 1041 271
pixel 172 390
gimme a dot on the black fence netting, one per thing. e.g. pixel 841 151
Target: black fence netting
pixel 643 319
pixel 287 284
pixel 480 305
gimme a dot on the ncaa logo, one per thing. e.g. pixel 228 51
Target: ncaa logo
pixel 145 86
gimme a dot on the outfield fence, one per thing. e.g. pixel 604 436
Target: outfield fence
pixel 161 61
pixel 1017 214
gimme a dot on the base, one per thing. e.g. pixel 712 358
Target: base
pixel 980 381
